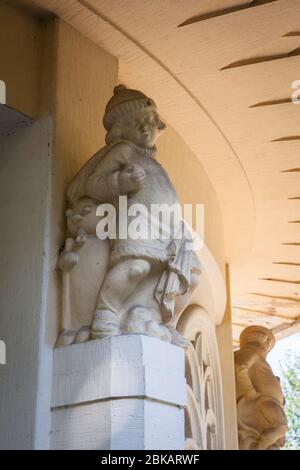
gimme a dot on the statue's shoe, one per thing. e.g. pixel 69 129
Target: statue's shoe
pixel 105 324
pixel 68 337
pixel 83 334
pixel 178 339
pixel 65 338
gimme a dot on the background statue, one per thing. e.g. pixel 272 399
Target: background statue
pixel 124 284
pixel 262 423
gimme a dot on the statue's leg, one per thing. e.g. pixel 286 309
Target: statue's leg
pixel 270 436
pixel 277 424
pixel 247 443
pixel 119 283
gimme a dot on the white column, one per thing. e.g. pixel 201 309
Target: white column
pixel 122 392
pixel 25 193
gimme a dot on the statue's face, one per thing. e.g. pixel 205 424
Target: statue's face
pixel 141 128
pixel 83 215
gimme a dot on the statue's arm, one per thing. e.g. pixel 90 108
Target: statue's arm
pixel 104 184
pixel 244 360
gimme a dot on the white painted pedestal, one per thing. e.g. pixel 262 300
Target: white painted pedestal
pixel 123 392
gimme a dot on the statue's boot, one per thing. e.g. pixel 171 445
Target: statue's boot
pixel 105 324
pixel 65 338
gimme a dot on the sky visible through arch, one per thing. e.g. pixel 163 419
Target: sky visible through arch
pixel 277 355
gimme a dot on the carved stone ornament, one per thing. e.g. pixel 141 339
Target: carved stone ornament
pixel 262 423
pixel 124 284
pixel 204 414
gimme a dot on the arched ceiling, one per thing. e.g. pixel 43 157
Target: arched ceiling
pixel 222 73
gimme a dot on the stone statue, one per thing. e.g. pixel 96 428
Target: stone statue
pixel 124 284
pixel 262 423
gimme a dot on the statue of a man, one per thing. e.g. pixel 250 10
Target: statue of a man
pixel 262 423
pixel 145 275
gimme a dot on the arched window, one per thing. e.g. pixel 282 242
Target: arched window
pixel 204 423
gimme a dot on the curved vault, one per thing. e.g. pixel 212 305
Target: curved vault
pixel 223 81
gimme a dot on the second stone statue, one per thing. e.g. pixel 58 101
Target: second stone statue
pixel 132 277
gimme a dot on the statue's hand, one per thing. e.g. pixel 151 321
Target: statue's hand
pixel 67 260
pixel 132 179
pixel 252 395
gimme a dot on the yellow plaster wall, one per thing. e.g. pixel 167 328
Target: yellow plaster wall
pixel 21 53
pixel 84 77
pixel 224 338
pixel 193 187
pixel 54 69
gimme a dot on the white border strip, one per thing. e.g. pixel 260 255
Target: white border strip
pixel 2 92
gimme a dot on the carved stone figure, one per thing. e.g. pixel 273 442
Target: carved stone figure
pixel 124 284
pixel 262 423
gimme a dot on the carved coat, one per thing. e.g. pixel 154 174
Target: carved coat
pixel 98 180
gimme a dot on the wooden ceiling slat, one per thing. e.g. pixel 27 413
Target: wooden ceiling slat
pixel 225 11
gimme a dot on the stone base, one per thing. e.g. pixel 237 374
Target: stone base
pixel 122 392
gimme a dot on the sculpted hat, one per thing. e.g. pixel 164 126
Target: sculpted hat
pixel 123 101
pixel 258 334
